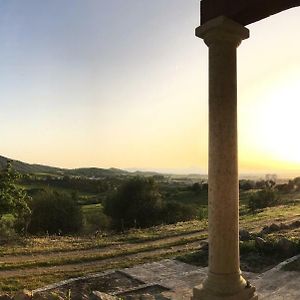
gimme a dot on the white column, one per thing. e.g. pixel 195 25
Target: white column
pixel 224 280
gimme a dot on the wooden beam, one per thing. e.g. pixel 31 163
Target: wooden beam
pixel 244 11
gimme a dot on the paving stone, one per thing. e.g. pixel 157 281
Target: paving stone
pixel 173 280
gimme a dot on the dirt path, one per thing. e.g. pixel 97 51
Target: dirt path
pixel 111 256
pixel 40 257
pixel 95 266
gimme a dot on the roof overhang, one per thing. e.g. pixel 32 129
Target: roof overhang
pixel 244 11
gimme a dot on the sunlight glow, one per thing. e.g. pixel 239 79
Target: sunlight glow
pixel 279 119
pixel 274 118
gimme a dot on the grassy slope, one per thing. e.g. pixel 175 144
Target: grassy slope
pixel 144 245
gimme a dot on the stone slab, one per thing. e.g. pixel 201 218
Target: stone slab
pixel 179 279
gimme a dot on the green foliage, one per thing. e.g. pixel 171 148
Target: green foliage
pixel 197 187
pixel 137 203
pixel 13 199
pixel 197 258
pixel 7 231
pixel 247 247
pixel 286 187
pixel 265 198
pixel 174 212
pixel 55 213
pixel 246 185
pixel 76 184
pixel 203 213
pixel 96 221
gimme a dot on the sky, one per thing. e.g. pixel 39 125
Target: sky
pixel 124 84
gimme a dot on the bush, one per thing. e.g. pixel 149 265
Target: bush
pixel 264 198
pixel 203 213
pixel 7 231
pixel 96 221
pixel 246 185
pixel 174 212
pixel 54 213
pixel 13 199
pixel 137 203
pixel 286 187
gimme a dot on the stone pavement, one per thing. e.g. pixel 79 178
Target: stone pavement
pixel 174 280
pixel 277 284
pixel 180 278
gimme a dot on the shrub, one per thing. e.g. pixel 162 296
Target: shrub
pixel 13 199
pixel 246 185
pixel 7 231
pixel 137 203
pixel 55 213
pixel 96 221
pixel 174 212
pixel 264 198
pixel 203 213
pixel 286 187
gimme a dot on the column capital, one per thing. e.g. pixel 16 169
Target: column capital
pixel 222 29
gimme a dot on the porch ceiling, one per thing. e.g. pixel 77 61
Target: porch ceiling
pixel 244 11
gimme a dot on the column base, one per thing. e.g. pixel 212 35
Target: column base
pixel 227 287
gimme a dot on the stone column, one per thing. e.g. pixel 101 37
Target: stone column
pixel 224 280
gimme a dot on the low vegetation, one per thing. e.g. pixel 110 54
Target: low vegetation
pixel 266 197
pixel 14 204
pixel 54 213
pixel 56 226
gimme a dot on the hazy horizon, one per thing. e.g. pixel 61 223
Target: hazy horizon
pixel 174 171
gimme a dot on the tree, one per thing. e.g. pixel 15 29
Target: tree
pixel 13 199
pixel 55 213
pixel 137 203
pixel 264 198
pixel 286 187
pixel 246 185
pixel 174 212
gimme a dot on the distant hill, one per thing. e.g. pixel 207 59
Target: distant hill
pixel 95 172
pixel 92 172
pixel 26 168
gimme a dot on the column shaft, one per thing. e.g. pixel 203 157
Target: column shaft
pixel 224 280
pixel 223 165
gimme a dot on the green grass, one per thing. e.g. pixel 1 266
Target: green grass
pixel 47 244
pixel 164 231
pixel 274 214
pixel 91 208
pixel 99 257
pixel 251 259
pixel 11 285
pixel 196 258
pixel 35 281
pixel 189 197
pixel 42 185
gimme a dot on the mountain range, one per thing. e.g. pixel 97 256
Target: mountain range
pixel 90 172
pixel 26 168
